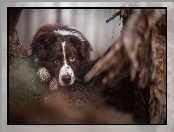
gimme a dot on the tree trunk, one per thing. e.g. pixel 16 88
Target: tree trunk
pixel 14 46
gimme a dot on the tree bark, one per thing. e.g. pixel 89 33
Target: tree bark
pixel 14 45
pixel 142 43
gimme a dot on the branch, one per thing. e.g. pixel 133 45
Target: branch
pixel 136 32
pixel 135 45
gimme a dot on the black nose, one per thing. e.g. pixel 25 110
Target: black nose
pixel 66 78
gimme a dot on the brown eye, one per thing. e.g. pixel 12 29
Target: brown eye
pixel 72 59
pixel 56 61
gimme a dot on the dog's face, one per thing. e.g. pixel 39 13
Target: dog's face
pixel 63 50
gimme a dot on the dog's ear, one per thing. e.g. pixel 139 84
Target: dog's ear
pixel 85 49
pixel 83 46
pixel 41 44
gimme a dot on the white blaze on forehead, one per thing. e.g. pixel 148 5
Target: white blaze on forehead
pixel 66 69
pixel 65 32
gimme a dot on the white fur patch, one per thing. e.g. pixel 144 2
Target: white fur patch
pixel 73 33
pixel 53 84
pixel 66 69
pixel 44 74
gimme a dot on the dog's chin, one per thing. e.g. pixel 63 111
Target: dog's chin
pixel 62 84
pixel 65 85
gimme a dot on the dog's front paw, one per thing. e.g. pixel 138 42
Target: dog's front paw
pixel 53 84
pixel 44 74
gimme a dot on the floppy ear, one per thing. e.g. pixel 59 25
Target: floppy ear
pixel 83 46
pixel 85 49
pixel 41 44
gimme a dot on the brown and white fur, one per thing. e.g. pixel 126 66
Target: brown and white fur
pixel 60 52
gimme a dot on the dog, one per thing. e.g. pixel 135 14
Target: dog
pixel 60 51
pixel 62 54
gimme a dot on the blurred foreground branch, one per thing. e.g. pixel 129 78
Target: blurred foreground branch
pixel 139 45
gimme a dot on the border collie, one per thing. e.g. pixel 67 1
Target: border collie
pixel 60 51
